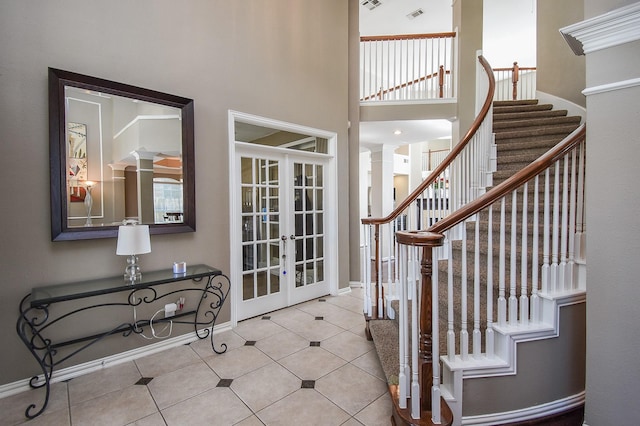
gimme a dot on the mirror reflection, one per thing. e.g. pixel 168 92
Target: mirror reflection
pixel 118 152
pixel 124 160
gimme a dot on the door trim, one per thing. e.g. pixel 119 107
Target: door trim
pixel 331 195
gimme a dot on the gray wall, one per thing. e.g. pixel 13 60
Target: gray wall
pixel 548 370
pixel 283 59
pixel 559 71
pixel 613 239
pixel 467 18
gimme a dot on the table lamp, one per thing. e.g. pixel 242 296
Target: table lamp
pixel 133 239
pixel 88 200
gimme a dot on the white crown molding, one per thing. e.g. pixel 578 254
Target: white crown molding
pixel 610 87
pixel 608 30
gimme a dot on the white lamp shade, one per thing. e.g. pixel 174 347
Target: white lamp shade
pixel 133 239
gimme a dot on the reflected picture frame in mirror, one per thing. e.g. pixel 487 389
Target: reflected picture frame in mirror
pixel 79 189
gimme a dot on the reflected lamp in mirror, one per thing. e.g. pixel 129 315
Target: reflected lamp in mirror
pixel 88 201
pixel 133 240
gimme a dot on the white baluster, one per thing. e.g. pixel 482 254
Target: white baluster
pixel 367 270
pixel 380 307
pixel 402 321
pixel 390 259
pixel 570 274
pixel 451 344
pixel 464 333
pixel 555 237
pixel 435 336
pixel 580 254
pixel 489 332
pixel 535 255
pixel 477 336
pixel 546 237
pixel 562 267
pixel 524 299
pixel 405 323
pixel 513 300
pixel 502 301
pixel 415 384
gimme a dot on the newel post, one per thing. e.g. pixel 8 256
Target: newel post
pixel 428 241
pixel 425 350
pixel 515 76
pixel 441 80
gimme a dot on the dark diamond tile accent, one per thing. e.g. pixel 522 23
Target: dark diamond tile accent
pixel 322 300
pixel 250 343
pixel 308 384
pixel 319 318
pixel 144 381
pixel 266 317
pixel 314 344
pixel 224 383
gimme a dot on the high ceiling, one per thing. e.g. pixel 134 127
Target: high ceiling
pixel 390 17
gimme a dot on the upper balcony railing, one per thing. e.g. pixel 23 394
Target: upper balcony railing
pixel 515 83
pixel 407 67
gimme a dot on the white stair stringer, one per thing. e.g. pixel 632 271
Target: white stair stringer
pixel 504 362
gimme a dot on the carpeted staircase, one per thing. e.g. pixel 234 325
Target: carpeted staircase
pixel 524 131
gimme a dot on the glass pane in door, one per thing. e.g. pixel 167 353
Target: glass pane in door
pixel 309 226
pixel 260 227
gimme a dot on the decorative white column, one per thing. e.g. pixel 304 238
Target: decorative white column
pixel 144 161
pixel 382 189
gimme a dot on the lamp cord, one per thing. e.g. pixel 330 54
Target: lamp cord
pixel 154 335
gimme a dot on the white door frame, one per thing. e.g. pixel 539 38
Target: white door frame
pixel 331 197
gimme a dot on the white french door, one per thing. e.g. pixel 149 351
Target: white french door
pixel 282 198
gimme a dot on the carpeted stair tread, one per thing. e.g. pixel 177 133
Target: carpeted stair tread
pixel 499 109
pixel 516 102
pixel 526 122
pixel 545 141
pixel 537 131
pixel 385 338
pixel 505 116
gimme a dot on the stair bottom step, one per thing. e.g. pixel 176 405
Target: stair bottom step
pixel 385 339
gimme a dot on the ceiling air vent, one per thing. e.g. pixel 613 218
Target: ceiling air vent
pixel 371 4
pixel 415 14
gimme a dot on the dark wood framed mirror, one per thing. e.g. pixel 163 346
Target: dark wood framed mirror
pixel 118 152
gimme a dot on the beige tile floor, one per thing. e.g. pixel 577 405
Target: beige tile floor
pixel 309 364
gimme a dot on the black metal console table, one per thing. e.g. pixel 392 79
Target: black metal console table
pixel 37 317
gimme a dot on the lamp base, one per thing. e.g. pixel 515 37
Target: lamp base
pixel 132 273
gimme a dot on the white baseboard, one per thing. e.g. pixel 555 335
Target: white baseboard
pixel 98 364
pixel 529 413
pixel 355 284
pixel 344 290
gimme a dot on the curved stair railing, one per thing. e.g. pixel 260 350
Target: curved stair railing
pixel 540 209
pixel 457 180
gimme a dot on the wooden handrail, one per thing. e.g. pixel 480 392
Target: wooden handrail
pixel 449 158
pixel 515 181
pixel 519 67
pixel 416 81
pixel 407 36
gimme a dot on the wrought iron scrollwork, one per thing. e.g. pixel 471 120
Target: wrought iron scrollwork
pixel 213 297
pixel 34 321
